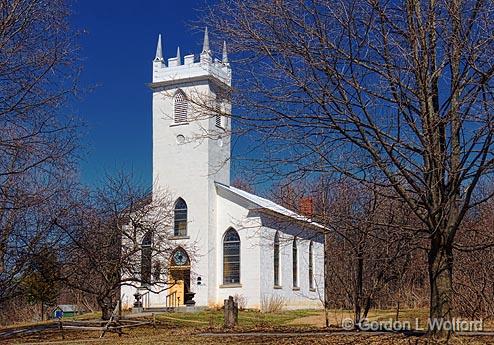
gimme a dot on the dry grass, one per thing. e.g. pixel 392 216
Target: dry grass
pixel 291 327
pixel 272 303
pixel 336 316
pixel 145 336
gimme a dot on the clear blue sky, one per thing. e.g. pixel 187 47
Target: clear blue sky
pixel 118 47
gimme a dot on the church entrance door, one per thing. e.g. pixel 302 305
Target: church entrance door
pixel 178 278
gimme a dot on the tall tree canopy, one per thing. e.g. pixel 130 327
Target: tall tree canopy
pixel 390 93
pixel 38 73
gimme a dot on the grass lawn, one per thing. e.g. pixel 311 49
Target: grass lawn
pixel 205 327
pixel 213 319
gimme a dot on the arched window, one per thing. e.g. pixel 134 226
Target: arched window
pixel 276 263
pixel 311 266
pixel 146 253
pixel 295 262
pixel 231 257
pixel 180 258
pixel 180 111
pixel 180 218
pixel 157 271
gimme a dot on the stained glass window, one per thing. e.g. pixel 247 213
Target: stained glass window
pixel 311 267
pixel 180 223
pixel 295 263
pixel 146 253
pixel 276 263
pixel 231 257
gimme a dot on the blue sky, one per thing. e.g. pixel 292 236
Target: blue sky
pixel 118 46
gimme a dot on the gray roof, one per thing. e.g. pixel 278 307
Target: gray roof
pixel 67 307
pixel 269 205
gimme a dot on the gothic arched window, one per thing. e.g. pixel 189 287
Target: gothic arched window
pixel 295 262
pixel 180 218
pixel 146 253
pixel 311 266
pixel 231 257
pixel 180 107
pixel 276 261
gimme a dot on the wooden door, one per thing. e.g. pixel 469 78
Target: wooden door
pixel 177 277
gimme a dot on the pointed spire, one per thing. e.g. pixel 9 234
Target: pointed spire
pixel 225 54
pixel 178 56
pixel 205 45
pixel 159 52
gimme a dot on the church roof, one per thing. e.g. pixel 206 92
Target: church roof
pixel 268 205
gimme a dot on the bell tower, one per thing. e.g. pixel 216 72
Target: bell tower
pixel 191 126
pixel 191 146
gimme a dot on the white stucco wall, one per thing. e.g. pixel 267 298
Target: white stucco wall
pixel 235 214
pixel 189 170
pixel 257 232
pixel 301 296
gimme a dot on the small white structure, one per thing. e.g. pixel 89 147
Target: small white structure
pixel 246 246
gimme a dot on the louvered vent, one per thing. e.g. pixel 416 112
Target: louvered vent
pixel 218 114
pixel 180 108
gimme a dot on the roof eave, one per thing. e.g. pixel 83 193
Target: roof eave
pixel 319 227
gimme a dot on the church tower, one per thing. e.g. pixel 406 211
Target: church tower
pixel 191 148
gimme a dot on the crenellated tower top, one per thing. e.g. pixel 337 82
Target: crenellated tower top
pixel 193 68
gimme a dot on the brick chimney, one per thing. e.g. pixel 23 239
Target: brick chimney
pixel 306 206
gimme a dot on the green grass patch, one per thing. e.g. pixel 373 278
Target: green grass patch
pixel 246 318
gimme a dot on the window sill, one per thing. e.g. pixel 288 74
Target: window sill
pixel 230 286
pixel 277 287
pixel 179 237
pixel 296 288
pixel 312 289
pixel 175 124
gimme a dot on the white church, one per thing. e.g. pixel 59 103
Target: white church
pixel 247 246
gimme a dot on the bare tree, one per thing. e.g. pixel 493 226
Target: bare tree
pixel 369 245
pixel 120 236
pixel 41 283
pixel 370 250
pixel 474 280
pixel 38 73
pixel 394 94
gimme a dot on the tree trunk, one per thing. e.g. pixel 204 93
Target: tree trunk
pixel 106 312
pixel 368 304
pixel 440 265
pixel 359 288
pixel 106 307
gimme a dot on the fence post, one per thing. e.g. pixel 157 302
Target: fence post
pixel 60 327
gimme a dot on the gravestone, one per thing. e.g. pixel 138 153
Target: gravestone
pixel 231 313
